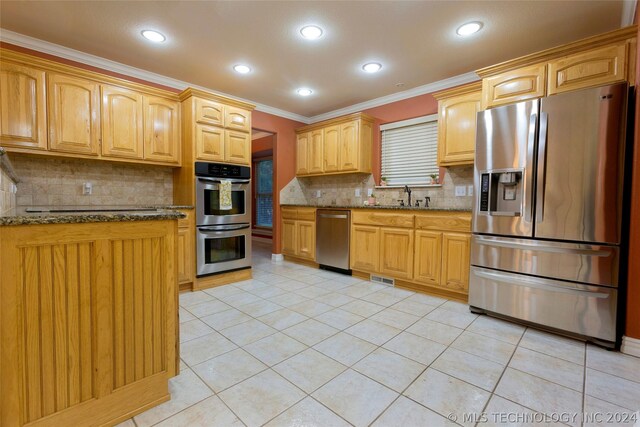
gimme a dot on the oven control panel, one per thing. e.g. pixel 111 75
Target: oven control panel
pixel 220 170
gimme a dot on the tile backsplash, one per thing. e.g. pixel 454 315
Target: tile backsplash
pixel 49 181
pixel 7 195
pixel 340 190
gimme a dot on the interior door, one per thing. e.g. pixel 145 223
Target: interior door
pixel 580 165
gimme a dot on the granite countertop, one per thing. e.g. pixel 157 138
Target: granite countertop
pixel 385 207
pixel 20 216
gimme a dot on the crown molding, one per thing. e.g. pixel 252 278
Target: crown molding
pixel 117 67
pixel 628 12
pixel 399 96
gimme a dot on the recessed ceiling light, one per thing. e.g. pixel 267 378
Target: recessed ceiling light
pixel 469 28
pixel 372 67
pixel 311 32
pixel 242 69
pixel 303 91
pixel 154 36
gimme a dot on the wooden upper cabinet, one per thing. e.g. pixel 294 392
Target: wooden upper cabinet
pixel 316 153
pixel 237 147
pixel 514 86
pixel 591 68
pixel 74 114
pixel 302 154
pixel 365 248
pixel 455 261
pixel 396 252
pixel 349 146
pixel 209 141
pixel 237 119
pixel 22 107
pixel 161 129
pixel 331 148
pixel 457 117
pixel 209 112
pixel 428 257
pixel 122 123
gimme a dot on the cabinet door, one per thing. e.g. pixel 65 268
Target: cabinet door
pixel 161 130
pixel 306 237
pixel 332 148
pixel 74 114
pixel 349 147
pixel 455 261
pixel 396 252
pixel 316 160
pixel 122 123
pixel 428 257
pixel 289 238
pixel 457 129
pixel 22 107
pixel 237 119
pixel 514 86
pixel 209 112
pixel 186 261
pixel 302 154
pixel 237 147
pixel 365 248
pixel 586 69
pixel 209 143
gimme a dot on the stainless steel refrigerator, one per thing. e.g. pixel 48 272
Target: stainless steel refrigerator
pixel 548 211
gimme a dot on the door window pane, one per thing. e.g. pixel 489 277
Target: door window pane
pixel 264 193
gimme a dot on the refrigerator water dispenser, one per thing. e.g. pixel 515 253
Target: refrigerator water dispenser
pixel 501 193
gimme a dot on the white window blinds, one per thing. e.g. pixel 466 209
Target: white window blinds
pixel 410 150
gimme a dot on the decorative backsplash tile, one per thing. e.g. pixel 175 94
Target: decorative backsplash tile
pixel 7 196
pixel 51 181
pixel 340 190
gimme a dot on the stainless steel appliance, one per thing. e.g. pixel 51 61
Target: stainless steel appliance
pixel 223 236
pixel 548 211
pixel 332 239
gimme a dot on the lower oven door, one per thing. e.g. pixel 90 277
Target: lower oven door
pixel 222 248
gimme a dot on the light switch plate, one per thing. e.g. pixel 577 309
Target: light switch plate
pixel 357 192
pixel 470 190
pixel 460 191
pixel 318 194
pixel 369 192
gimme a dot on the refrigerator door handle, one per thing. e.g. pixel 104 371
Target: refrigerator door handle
pixel 542 166
pixel 531 143
pixel 541 248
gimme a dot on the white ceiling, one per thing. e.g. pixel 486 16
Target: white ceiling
pixel 415 41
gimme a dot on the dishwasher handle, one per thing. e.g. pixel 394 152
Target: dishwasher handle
pixel 332 216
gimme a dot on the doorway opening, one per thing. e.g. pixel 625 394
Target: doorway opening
pixel 262 185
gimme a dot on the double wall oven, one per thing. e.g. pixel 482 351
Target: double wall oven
pixel 223 233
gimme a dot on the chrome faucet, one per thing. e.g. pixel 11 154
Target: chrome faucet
pixel 408 190
pixel 427 199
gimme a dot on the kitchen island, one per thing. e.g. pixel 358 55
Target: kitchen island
pixel 88 315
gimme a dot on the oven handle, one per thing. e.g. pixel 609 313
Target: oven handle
pixel 219 228
pixel 218 180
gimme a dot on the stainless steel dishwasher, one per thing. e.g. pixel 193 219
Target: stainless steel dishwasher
pixel 332 239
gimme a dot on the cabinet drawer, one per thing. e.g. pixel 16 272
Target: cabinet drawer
pixel 306 214
pixel 444 222
pixel 186 222
pixel 289 213
pixel 514 86
pixel 384 219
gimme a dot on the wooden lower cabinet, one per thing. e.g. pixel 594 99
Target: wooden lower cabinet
pixel 299 238
pixel 88 321
pixel 186 261
pixel 455 261
pixel 396 252
pixel 365 248
pixel 289 237
pixel 428 257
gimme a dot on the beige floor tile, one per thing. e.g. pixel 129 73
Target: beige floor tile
pixel 226 319
pixel 407 413
pixel 335 299
pixel 184 315
pixel 427 299
pixel 390 369
pixel 261 398
pixel 395 318
pixel 616 390
pixel 549 368
pixel 311 308
pixel 497 329
pixel 282 318
pixel 204 348
pixel 311 279
pixel 339 319
pixel 310 332
pixel 228 369
pixel 127 423
pixel 451 318
pixel 600 413
pixel 240 299
pixel 502 412
pixel 308 413
pixel 193 329
pixel 292 285
pixel 260 308
pixel 248 332
pixel 345 348
pixel 211 412
pixel 357 291
pixel 415 347
pixel 186 389
pixel 288 299
pixel 554 345
pixel 274 348
pixel 447 395
pixel 456 306
pixel 268 292
pixel 435 331
pixel 372 331
pixel 188 299
pixel 207 308
pixel 538 394
pixel 413 307
pixel 383 298
pixel 309 370
pixel 354 397
pixel 332 285
pixel 222 291
pixel 614 363
pixel 483 346
pixel 362 308
pixel 312 291
pixel 466 367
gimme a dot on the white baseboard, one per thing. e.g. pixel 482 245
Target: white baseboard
pixel 277 257
pixel 630 346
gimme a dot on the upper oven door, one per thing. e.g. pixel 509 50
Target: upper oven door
pixel 208 210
